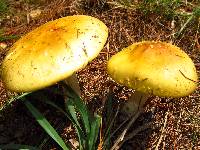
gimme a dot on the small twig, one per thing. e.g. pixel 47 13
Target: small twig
pixel 173 30
pixel 187 77
pixel 184 26
pixel 121 137
pixel 162 131
pixel 135 132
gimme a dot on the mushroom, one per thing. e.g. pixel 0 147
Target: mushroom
pixel 53 52
pixel 153 68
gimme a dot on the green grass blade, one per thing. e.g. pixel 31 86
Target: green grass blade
pixel 82 109
pixel 110 116
pixel 94 132
pixel 76 124
pixel 196 12
pixel 80 133
pixel 18 146
pixel 45 125
pixel 58 108
pixel 12 99
pixel 70 108
pixel 10 37
pixel 80 106
pixel 77 127
pixel 3 6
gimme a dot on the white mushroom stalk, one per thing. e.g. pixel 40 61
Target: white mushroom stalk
pixel 153 68
pixel 53 52
pixel 73 82
pixel 135 103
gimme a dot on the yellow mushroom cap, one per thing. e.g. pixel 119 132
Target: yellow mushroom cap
pixel 52 52
pixel 156 68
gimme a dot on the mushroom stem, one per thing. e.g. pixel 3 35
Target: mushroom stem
pixel 72 81
pixel 135 102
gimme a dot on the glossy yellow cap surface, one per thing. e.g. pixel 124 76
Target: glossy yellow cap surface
pixel 157 68
pixel 52 52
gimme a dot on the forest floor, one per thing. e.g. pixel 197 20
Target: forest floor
pixel 174 123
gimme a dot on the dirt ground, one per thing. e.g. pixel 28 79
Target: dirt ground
pixel 174 123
